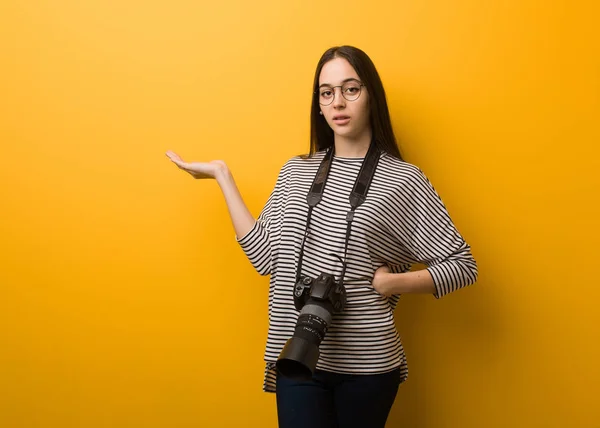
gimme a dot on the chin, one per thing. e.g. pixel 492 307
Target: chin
pixel 347 133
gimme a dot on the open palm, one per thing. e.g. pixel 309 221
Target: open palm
pixel 197 169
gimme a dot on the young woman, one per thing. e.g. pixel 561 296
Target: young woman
pixel 401 222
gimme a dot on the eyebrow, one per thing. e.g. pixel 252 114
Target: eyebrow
pixel 349 79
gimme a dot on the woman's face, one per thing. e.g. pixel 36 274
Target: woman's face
pixel 347 116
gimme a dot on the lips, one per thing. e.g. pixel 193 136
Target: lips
pixel 341 120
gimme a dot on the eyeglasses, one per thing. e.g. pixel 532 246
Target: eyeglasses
pixel 350 91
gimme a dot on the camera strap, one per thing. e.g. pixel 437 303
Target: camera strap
pixel 357 196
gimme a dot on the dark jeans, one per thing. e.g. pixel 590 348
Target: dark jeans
pixel 332 400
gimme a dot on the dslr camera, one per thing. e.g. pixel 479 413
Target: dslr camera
pixel 316 299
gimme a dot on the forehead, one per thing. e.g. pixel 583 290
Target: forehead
pixel 337 70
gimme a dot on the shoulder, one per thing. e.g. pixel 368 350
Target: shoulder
pixel 302 166
pixel 407 179
pixel 400 172
pixel 302 162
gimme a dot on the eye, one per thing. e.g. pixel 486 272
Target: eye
pixel 326 93
pixel 352 89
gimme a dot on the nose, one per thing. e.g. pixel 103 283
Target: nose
pixel 338 100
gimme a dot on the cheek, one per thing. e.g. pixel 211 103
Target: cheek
pixel 364 111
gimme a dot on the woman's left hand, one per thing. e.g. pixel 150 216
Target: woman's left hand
pixel 380 279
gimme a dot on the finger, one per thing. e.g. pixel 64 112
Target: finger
pixel 174 156
pixel 179 163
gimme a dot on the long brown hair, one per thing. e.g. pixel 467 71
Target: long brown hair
pixel 321 134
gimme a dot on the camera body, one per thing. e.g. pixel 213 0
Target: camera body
pixel 316 300
pixel 323 289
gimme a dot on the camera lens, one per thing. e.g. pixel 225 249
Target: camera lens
pixel 300 354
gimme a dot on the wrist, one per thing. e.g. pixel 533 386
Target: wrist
pixel 223 175
pixel 385 283
pixel 389 282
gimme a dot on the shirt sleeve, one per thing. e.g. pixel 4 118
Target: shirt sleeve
pixel 259 241
pixel 430 236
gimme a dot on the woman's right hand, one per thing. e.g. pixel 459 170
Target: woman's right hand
pixel 199 170
pixel 242 219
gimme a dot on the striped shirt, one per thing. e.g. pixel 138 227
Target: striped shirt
pixel 402 222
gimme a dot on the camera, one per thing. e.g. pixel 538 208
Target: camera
pixel 316 299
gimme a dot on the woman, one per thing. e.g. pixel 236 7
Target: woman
pixel 401 222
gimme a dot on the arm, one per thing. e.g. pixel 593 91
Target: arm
pixel 259 241
pixel 253 235
pixel 388 283
pixel 241 218
pixel 427 232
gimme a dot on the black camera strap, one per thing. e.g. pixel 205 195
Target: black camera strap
pixel 357 196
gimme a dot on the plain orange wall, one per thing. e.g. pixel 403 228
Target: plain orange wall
pixel 124 298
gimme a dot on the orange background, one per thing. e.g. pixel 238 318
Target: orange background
pixel 125 300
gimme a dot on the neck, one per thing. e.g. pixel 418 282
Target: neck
pixel 353 147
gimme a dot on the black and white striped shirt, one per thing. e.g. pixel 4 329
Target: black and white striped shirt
pixel 402 222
